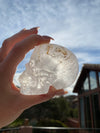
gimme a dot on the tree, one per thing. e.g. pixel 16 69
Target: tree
pixel 56 108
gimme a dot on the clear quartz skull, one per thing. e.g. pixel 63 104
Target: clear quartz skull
pixel 50 64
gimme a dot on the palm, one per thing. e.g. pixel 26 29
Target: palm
pixel 12 52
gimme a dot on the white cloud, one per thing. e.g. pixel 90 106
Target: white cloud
pixel 72 24
pixel 85 57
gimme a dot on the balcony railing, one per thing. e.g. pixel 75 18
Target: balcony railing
pixel 10 130
pixel 29 129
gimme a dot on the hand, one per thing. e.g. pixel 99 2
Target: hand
pixel 12 52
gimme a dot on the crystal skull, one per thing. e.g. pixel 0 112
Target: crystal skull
pixel 50 64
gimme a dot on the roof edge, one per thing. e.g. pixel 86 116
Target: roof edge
pixel 95 67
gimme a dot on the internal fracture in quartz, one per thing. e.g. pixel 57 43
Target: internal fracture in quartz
pixel 50 64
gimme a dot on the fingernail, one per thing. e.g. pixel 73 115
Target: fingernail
pixel 35 28
pixel 65 92
pixel 38 27
pixel 24 29
pixel 48 37
pixel 51 38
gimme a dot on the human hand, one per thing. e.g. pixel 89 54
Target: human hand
pixel 12 52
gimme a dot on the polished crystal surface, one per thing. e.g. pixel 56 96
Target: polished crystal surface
pixel 50 64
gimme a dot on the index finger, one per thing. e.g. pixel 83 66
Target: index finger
pixel 9 43
pixel 20 49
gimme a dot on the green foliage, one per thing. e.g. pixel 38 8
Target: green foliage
pixel 17 123
pixel 51 123
pixel 57 109
pixel 75 113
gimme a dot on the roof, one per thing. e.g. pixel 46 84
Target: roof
pixel 92 66
pixel 83 74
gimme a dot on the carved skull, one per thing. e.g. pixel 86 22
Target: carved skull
pixel 50 64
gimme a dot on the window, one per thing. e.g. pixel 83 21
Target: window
pixel 96 111
pixel 81 90
pixel 87 112
pixel 99 77
pixel 82 115
pixel 86 84
pixel 93 80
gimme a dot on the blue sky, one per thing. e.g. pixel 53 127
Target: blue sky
pixel 74 24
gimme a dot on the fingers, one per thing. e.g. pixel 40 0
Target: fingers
pixel 20 49
pixel 54 92
pixel 61 92
pixel 27 101
pixel 9 43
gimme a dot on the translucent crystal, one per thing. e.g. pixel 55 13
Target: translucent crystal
pixel 50 64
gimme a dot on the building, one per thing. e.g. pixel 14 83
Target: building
pixel 88 89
